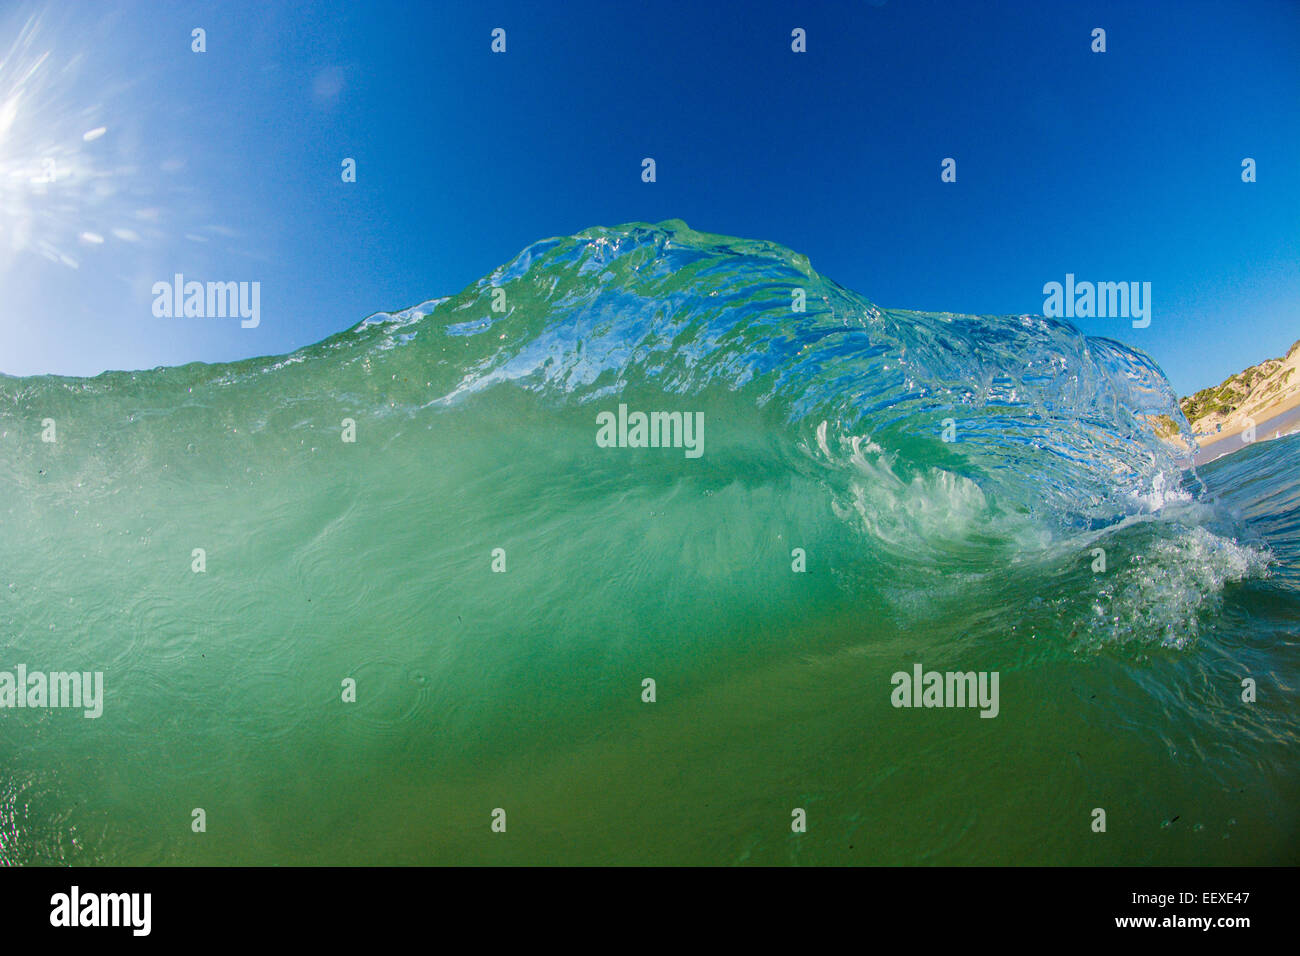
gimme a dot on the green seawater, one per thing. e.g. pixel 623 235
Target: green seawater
pixel 328 560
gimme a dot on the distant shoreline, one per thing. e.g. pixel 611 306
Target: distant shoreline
pixel 1285 420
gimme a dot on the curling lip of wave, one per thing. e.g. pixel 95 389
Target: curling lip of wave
pixel 1031 400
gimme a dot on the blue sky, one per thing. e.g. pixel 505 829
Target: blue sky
pixel 224 165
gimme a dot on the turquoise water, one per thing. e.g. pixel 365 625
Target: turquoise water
pixel 947 478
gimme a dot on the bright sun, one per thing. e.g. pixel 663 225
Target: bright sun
pixel 54 192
